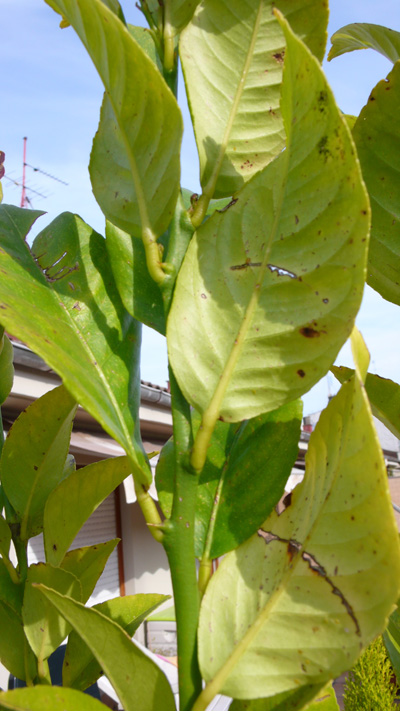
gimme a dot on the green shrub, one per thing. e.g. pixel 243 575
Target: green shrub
pixel 371 685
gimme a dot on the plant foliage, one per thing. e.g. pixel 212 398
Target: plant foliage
pixel 256 284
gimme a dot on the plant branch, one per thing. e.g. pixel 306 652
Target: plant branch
pixel 179 546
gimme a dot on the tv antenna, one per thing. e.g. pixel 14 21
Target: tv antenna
pixel 26 190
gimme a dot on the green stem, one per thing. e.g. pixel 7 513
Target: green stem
pixel 179 546
pixel 44 672
pixel 150 512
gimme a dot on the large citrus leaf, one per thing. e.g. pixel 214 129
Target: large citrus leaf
pixel 34 455
pixel 383 394
pixel 75 499
pixel 137 680
pixel 134 166
pixel 44 626
pixel 363 35
pixel 303 599
pixel 377 137
pixel 66 307
pixel 48 698
pixel 80 668
pixel 232 57
pixel 268 290
pixel 6 367
pixel 243 478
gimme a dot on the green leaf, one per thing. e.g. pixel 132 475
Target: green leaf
pixel 75 499
pixel 138 158
pixel 383 394
pixel 48 698
pixel 307 581
pixel 6 368
pixel 375 133
pixel 232 57
pixel 324 700
pixel 5 537
pixel 34 455
pixel 80 668
pixel 116 8
pixel 391 638
pixel 139 292
pixel 242 480
pixel 363 35
pixel 360 354
pixel 145 40
pixel 180 12
pixel 44 627
pixel 126 667
pixel 11 594
pixel 15 652
pixel 72 316
pixel 296 236
pixel 87 564
pixel 134 165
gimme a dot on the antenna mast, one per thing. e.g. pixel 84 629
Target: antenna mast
pixel 24 201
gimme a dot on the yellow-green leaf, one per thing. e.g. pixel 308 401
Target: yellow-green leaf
pixel 364 35
pixel 303 593
pixel 48 698
pixel 137 680
pixel 269 289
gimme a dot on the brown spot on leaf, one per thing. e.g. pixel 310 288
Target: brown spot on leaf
pixel 309 332
pixel 301 373
pixel 279 56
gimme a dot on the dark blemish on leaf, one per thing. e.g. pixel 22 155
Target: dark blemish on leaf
pixel 320 570
pixel 335 572
pixel 246 264
pixel 203 296
pixel 363 212
pixel 309 332
pixel 322 99
pixel 296 220
pixel 322 148
pixel 303 666
pixel 76 306
pixel 279 56
pixel 230 204
pixel 35 467
pixel 301 373
pixel 325 301
pixel 54 547
pixel 71 285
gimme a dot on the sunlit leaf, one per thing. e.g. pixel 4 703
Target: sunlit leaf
pixel 232 56
pixel 134 165
pixel 383 394
pixel 243 478
pixel 268 290
pixel 48 698
pixel 124 664
pixel 80 668
pixel 364 35
pixel 34 455
pixel 87 564
pixel 44 627
pixel 145 39
pixel 75 499
pixel 303 599
pixel 72 316
pixel 376 133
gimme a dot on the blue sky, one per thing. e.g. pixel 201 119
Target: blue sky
pixel 51 93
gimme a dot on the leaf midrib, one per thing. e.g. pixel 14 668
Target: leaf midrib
pixel 209 189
